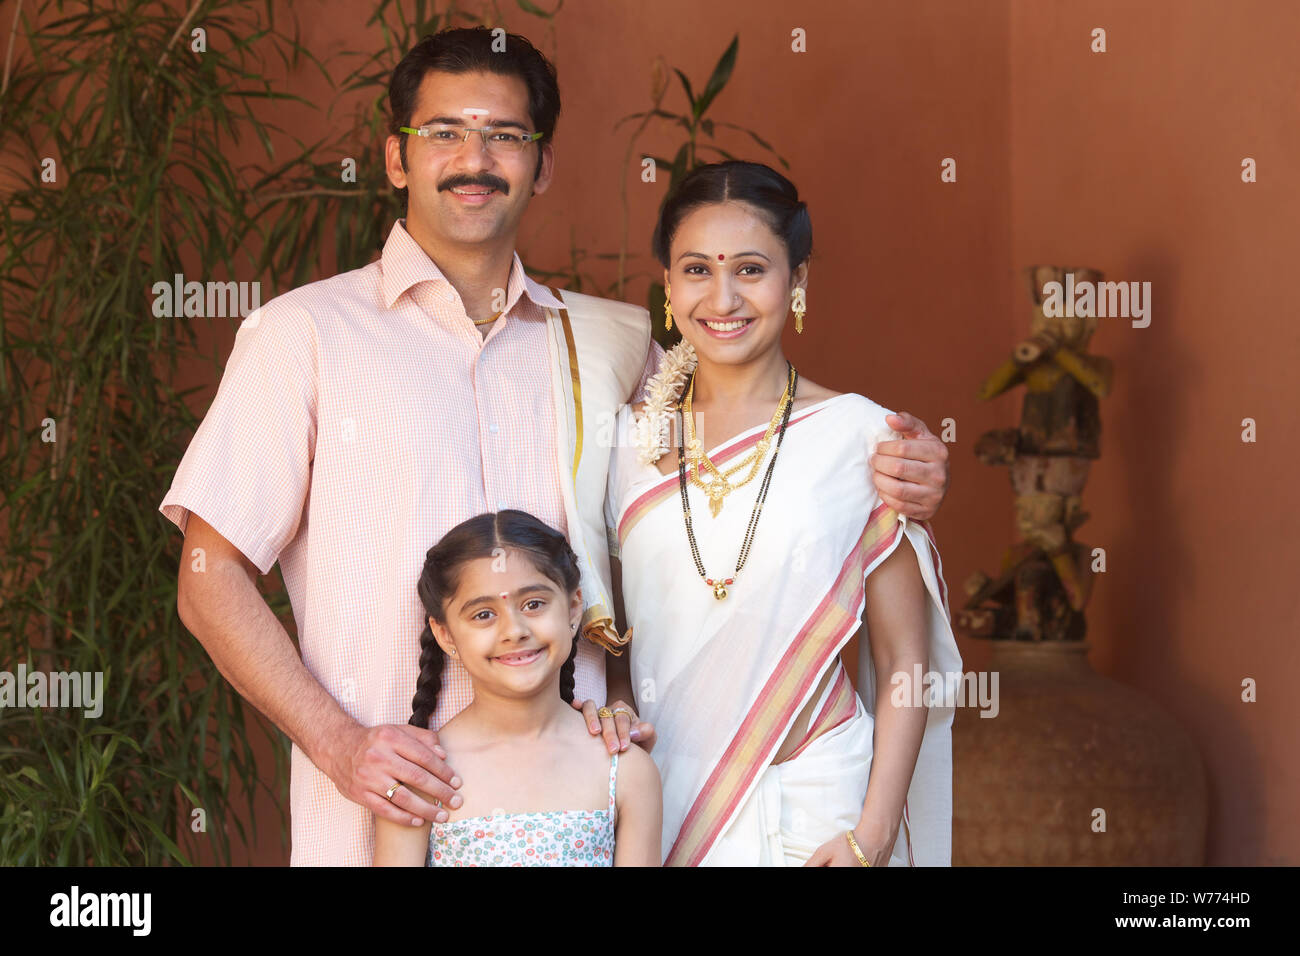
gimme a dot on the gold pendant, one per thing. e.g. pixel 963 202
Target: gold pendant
pixel 716 494
pixel 719 591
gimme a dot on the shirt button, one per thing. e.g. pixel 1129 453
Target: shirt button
pixel 492 429
pixel 501 506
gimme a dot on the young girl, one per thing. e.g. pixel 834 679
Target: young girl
pixel 502 597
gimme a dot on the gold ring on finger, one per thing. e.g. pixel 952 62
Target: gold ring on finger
pixel 392 790
pixel 604 712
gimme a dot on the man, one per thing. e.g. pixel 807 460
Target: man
pixel 361 417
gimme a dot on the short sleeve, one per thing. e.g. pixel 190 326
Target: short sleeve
pixel 652 360
pixel 247 470
pixel 874 429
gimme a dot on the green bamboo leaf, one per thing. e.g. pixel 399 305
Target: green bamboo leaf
pixel 662 114
pixel 756 138
pixel 690 95
pixel 721 74
pixel 678 166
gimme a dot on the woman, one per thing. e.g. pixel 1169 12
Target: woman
pixel 747 553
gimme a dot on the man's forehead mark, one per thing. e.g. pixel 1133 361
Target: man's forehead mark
pixel 475 113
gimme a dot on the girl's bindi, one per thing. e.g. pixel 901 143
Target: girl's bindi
pixel 721 257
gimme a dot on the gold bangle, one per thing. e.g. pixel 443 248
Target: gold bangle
pixel 856 851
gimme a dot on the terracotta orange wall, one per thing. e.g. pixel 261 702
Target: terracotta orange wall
pixel 1130 162
pixel 1127 162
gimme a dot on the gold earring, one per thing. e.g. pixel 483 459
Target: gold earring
pixel 800 304
pixel 668 309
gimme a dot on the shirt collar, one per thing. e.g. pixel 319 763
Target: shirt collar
pixel 405 264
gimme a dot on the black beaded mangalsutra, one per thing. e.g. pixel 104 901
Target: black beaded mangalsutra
pixel 720 587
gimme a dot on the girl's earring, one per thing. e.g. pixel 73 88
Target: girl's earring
pixel 800 305
pixel 668 309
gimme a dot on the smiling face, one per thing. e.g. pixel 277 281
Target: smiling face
pixel 465 194
pixel 509 625
pixel 730 282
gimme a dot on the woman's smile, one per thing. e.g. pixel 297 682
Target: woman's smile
pixel 726 328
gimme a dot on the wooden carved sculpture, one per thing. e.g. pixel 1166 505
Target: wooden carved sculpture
pixel 1046 578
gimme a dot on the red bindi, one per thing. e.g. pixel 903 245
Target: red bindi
pixel 721 257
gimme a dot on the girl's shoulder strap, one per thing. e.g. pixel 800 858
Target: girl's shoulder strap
pixel 613 773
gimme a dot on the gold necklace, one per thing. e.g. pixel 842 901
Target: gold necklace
pixel 486 321
pixel 720 585
pixel 720 485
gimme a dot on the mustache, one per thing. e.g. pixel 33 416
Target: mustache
pixel 486 179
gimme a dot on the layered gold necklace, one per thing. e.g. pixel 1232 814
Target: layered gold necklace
pixel 719 586
pixel 719 484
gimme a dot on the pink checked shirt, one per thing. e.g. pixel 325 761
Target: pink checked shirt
pixel 358 420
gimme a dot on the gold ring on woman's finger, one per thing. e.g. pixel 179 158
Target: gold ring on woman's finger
pixel 392 790
pixel 624 710
pixel 604 712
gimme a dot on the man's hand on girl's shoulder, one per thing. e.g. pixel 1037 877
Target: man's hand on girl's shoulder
pixel 365 762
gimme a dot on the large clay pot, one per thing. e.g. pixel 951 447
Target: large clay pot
pixel 1065 743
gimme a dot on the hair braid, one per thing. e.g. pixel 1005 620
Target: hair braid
pixel 566 672
pixel 429 683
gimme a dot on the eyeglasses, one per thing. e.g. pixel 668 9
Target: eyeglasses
pixel 497 139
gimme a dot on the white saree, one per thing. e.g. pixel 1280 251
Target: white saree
pixel 724 681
